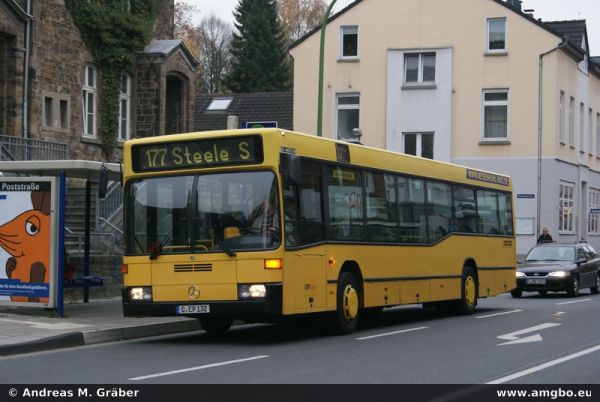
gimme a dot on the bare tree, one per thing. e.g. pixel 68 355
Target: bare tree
pixel 214 48
pixel 300 16
pixel 184 27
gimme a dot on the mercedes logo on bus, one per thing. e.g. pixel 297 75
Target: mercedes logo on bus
pixel 193 292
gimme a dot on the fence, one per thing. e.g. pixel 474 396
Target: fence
pixel 26 149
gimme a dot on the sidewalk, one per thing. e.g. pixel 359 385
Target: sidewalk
pixel 25 329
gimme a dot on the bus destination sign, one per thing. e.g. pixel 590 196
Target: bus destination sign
pixel 197 154
pixel 488 177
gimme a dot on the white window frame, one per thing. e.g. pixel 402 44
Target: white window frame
pixel 87 91
pixel 581 127
pixel 338 107
pixel 572 122
pixel 125 97
pixel 487 35
pixel 421 56
pixel 561 118
pixel 566 212
pixel 594 219
pixel 590 132
pixel 348 29
pixel 419 142
pixel 485 103
pixel 598 135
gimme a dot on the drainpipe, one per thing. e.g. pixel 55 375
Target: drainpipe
pixel 539 135
pixel 321 70
pixel 26 73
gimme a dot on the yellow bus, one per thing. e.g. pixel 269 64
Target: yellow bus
pixel 265 223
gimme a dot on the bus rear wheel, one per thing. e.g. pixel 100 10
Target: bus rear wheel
pixel 348 305
pixel 217 326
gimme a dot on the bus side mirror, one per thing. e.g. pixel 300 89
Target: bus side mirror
pixel 290 168
pixel 103 185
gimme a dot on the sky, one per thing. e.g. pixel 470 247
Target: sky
pixel 548 10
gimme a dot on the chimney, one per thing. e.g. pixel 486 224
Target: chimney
pixel 516 4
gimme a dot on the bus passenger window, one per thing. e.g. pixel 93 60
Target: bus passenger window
pixel 412 218
pixel 439 210
pixel 345 204
pixel 381 208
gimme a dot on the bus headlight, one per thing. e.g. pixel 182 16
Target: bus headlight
pixel 252 291
pixel 140 294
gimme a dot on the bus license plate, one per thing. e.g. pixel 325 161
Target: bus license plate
pixel 536 281
pixel 194 309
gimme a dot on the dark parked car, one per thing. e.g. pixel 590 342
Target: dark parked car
pixel 556 267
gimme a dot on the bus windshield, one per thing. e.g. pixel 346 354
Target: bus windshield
pixel 224 212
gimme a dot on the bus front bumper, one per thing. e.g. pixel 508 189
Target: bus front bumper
pixel 268 306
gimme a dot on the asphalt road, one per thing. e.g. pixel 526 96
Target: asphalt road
pixel 533 340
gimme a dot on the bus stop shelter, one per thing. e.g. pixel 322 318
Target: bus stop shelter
pixel 89 171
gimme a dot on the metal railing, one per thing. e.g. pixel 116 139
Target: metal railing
pixel 110 207
pixel 104 244
pixel 26 149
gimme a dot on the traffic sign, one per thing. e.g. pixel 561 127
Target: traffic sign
pixel 261 124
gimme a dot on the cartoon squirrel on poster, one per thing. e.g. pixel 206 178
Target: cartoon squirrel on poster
pixel 25 239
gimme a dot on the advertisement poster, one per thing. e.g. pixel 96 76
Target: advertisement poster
pixel 27 250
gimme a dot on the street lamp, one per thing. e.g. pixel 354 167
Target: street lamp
pixel 321 68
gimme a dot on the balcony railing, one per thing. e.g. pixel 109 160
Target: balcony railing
pixel 26 149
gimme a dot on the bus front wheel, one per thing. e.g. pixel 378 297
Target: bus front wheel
pixel 468 292
pixel 348 305
pixel 217 326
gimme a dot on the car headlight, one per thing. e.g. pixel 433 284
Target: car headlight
pixel 141 294
pixel 252 291
pixel 520 274
pixel 559 274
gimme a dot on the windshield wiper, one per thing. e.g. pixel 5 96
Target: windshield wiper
pixel 225 247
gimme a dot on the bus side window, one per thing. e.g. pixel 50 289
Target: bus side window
pixel 302 208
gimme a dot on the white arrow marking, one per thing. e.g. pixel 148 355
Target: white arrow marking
pixel 514 339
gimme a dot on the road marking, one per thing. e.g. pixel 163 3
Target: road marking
pixel 497 314
pixel 197 368
pixel 544 366
pixel 513 337
pixel 571 302
pixel 390 333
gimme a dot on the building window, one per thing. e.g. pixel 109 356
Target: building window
pixel 418 144
pixel 598 135
pixel 590 131
pixel 572 121
pixel 581 127
pixel 495 114
pixel 594 217
pixel 419 68
pixel 561 118
pixel 55 112
pixel 496 35
pixel 125 108
pixel 349 42
pixel 219 104
pixel 566 205
pixel 348 111
pixel 89 101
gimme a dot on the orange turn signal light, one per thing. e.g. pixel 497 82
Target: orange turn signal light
pixel 275 263
pixel 124 268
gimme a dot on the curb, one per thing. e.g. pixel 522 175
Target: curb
pixel 55 342
pixel 73 339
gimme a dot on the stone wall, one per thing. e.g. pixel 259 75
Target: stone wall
pixel 12 56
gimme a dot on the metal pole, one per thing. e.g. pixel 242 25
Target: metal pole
pixel 321 69
pixel 60 295
pixel 87 245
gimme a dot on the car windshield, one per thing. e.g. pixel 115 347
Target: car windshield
pixel 208 213
pixel 551 253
